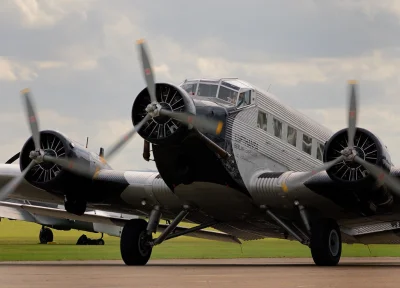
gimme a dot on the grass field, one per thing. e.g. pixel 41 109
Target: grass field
pixel 19 241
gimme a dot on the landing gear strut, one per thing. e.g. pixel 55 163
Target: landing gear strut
pixel 322 235
pixel 136 238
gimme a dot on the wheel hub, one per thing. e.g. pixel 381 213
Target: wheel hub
pixel 334 244
pixel 144 243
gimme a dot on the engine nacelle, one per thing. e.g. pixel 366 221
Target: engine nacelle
pixel 368 147
pixel 163 129
pixel 54 178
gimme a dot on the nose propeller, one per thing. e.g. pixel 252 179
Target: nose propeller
pixel 154 109
pixel 349 153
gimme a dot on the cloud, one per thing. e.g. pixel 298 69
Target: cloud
pixel 40 14
pixel 80 58
pixel 371 8
pixel 14 70
pixel 101 134
pixel 380 119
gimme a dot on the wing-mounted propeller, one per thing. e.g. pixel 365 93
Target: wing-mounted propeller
pixel 355 160
pixel 154 112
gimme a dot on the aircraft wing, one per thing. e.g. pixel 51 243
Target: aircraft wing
pixel 17 209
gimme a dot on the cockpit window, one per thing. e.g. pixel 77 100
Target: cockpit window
pixel 207 90
pixel 227 95
pixel 244 99
pixel 190 88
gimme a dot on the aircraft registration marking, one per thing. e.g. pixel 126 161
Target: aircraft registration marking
pixel 245 141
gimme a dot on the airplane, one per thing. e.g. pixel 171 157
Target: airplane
pixel 229 156
pixel 47 222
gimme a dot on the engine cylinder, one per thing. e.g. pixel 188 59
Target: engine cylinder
pixel 53 144
pixel 368 147
pixel 54 178
pixel 163 129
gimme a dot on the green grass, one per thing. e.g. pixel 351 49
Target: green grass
pixel 19 242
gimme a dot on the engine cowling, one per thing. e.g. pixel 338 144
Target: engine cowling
pixel 368 147
pixel 163 129
pixel 54 178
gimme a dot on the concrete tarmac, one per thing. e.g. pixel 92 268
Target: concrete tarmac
pixel 276 273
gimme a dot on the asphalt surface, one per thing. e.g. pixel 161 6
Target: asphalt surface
pixel 284 272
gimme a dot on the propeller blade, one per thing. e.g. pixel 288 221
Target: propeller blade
pixel 72 165
pixel 32 119
pixel 352 114
pixel 316 170
pixel 126 137
pixel 13 184
pixel 148 72
pixel 197 121
pixel 380 175
pixel 77 167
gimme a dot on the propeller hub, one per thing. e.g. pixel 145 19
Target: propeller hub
pixel 37 156
pixel 153 109
pixel 349 153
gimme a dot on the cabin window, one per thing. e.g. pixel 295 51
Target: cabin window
pixel 244 99
pixel 190 88
pixel 262 121
pixel 207 90
pixel 307 144
pixel 292 136
pixel 277 128
pixel 320 151
pixel 227 95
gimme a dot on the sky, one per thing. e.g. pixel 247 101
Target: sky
pixel 80 61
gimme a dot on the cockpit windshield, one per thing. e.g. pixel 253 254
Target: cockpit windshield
pixel 231 91
pixel 227 95
pixel 190 88
pixel 207 90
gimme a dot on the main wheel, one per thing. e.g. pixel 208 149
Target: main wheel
pixel 134 244
pixel 45 235
pixel 326 242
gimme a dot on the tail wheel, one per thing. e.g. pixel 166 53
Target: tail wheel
pixel 135 243
pixel 326 242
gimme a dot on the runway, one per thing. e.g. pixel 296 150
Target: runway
pixel 276 273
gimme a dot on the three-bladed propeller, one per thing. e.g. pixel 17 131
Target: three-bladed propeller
pixel 350 153
pixel 153 110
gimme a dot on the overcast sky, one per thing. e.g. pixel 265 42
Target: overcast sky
pixel 80 60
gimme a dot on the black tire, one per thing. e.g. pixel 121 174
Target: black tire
pixel 134 246
pixel 326 242
pixel 100 242
pixel 83 240
pixel 45 235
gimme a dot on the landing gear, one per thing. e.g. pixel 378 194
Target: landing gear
pixel 45 235
pixel 326 242
pixel 136 238
pixel 322 235
pixel 135 243
pixel 84 240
